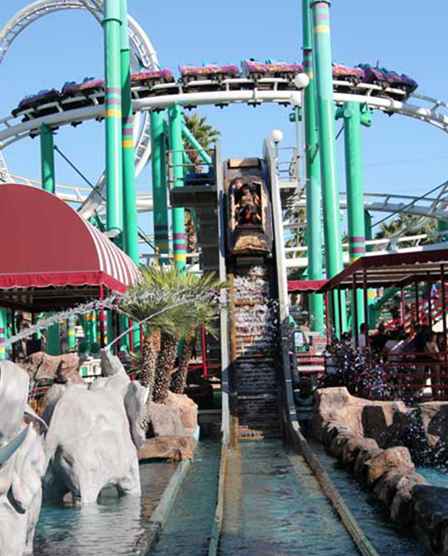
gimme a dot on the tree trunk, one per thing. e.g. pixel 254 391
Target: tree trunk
pixel 179 380
pixel 150 351
pixel 166 361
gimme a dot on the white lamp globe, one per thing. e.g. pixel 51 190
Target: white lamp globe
pixel 277 136
pixel 301 80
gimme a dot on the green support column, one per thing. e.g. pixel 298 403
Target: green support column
pixel 71 338
pixel 355 192
pixel 53 340
pixel 159 186
pixel 114 158
pixel 3 325
pixel 177 149
pixel 130 228
pixel 368 228
pixel 313 184
pixel 331 208
pixel 47 159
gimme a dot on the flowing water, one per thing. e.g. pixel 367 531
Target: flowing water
pixel 369 513
pixel 434 476
pixel 187 531
pixel 274 506
pixel 113 527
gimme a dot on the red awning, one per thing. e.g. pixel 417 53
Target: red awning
pixel 305 286
pixel 45 244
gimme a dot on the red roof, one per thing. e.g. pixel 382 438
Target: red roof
pixel 44 243
pixel 302 286
pixel 393 270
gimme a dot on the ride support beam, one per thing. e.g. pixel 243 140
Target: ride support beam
pixel 3 327
pixel 114 156
pixel 324 82
pixel 48 174
pixel 159 187
pixel 71 337
pixel 355 193
pixel 53 340
pixel 194 144
pixel 130 228
pixel 313 183
pixel 176 122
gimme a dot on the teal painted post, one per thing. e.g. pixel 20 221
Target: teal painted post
pixel 71 338
pixel 47 159
pixel 48 178
pixel 368 233
pixel 130 225
pixel 177 149
pixel 159 186
pixel 313 184
pixel 54 340
pixel 130 228
pixel 114 157
pixel 194 144
pixel 355 191
pixel 331 209
pixel 3 325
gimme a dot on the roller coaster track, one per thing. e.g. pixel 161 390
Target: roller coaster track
pixel 143 55
pixel 253 93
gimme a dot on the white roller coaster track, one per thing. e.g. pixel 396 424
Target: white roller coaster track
pixel 434 114
pixel 143 54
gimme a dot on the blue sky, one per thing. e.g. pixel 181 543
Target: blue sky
pixel 400 155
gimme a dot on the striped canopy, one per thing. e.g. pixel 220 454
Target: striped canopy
pixel 50 257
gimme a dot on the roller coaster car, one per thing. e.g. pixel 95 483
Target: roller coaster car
pixel 150 78
pixel 249 217
pixel 373 75
pixel 33 102
pixel 210 72
pixel 345 73
pixel 259 70
pixel 89 86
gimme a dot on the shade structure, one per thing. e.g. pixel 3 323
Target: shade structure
pixel 50 257
pixel 394 270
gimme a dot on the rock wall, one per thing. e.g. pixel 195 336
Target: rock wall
pixel 357 432
pixel 423 429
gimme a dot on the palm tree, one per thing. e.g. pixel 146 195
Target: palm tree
pixel 147 301
pixel 170 302
pixel 203 313
pixel 205 134
pixel 203 309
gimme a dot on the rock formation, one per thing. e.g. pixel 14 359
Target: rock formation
pixel 93 436
pixel 22 463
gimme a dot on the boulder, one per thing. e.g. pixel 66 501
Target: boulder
pixel 402 510
pixel 386 486
pixel 430 505
pixel 338 443
pixel 354 446
pixel 434 417
pixel 166 420
pixel 174 448
pixel 41 366
pixel 379 420
pixel 388 460
pixel 361 468
pixel 188 411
